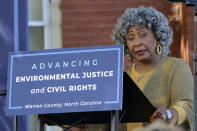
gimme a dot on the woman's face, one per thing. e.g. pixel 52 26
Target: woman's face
pixel 141 43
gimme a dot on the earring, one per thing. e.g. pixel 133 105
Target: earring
pixel 159 49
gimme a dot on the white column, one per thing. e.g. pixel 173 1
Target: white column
pixel 53 36
pixel 56 24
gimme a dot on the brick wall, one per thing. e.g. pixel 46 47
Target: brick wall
pixel 90 22
pixel 189 12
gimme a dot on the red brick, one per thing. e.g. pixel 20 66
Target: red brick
pixel 85 43
pixel 81 5
pixel 91 14
pixel 90 22
pixel 88 29
pixel 98 37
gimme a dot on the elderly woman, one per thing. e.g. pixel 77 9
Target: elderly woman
pixel 166 81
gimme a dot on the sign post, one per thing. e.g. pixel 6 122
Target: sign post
pixel 65 80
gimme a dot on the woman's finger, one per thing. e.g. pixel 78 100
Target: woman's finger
pixel 159 113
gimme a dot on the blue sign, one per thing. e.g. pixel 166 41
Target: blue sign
pixel 65 80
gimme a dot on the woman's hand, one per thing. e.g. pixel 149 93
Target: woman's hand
pixel 161 113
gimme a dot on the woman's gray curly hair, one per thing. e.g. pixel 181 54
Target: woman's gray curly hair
pixel 149 17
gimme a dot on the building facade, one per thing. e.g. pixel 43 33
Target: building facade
pixel 74 23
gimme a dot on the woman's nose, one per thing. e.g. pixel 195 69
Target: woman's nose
pixel 137 42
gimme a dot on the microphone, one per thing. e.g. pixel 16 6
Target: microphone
pixel 3 93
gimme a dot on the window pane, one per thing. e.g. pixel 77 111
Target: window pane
pixel 36 38
pixel 35 10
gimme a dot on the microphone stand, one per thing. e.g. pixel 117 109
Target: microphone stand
pixel 3 93
pixel 16 43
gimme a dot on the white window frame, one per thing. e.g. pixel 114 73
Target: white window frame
pixel 45 23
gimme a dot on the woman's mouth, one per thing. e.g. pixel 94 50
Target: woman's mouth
pixel 140 52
